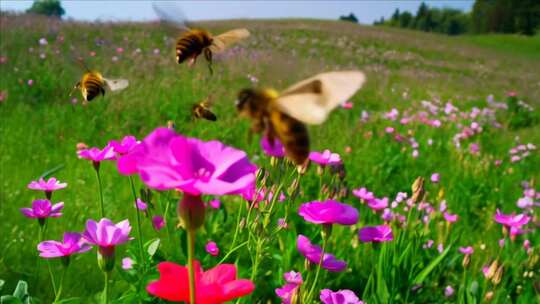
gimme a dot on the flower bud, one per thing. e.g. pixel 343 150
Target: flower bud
pixel 418 190
pixel 491 270
pixel 466 260
pixel 191 211
pixel 498 276
pixel 488 296
pixel 106 258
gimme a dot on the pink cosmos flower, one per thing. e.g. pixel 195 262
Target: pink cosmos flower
pixel 325 158
pixel 313 254
pixel 50 185
pixel 42 209
pixel 287 292
pixel 378 203
pixel 71 244
pixel 376 234
pixel 363 194
pixel 448 291
pixel 106 234
pixel 276 149
pixel 139 204
pixel 215 286
pixel 329 212
pixel 435 178
pixel 97 155
pixel 212 248
pixel 127 263
pixel 466 250
pixel 511 220
pixel 166 160
pixel 343 296
pixel 158 222
pixel 127 144
pixel 451 218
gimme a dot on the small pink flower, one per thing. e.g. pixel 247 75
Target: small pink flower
pixel 347 105
pixel 3 59
pixel 497 162
pixel 30 82
pixel 158 222
pixel 97 155
pixel 124 146
pixel 43 41
pixel 363 194
pixel 288 291
pixel 440 248
pixel 389 130
pixel 376 234
pixel 212 248
pixel 92 54
pixel 282 223
pixel 474 148
pixel 511 94
pixel 106 235
pixel 119 50
pixel 313 254
pixel 139 204
pixel 378 203
pixel 511 220
pixel 81 146
pixel 156 51
pixel 415 153
pixel 329 212
pixel 501 243
pixel 3 96
pixel 325 158
pixel 215 203
pixel 71 244
pixel 127 263
pixel 435 178
pixel 527 244
pixel 428 244
pixel 448 291
pixel 466 250
pixel 343 296
pixel 43 209
pixel 50 185
pixel 274 149
pixel 451 218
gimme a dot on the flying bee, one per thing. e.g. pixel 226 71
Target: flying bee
pixel 202 110
pixel 93 84
pixel 284 115
pixel 193 42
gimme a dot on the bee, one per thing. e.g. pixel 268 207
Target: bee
pixel 283 115
pixel 193 42
pixel 93 84
pixel 202 110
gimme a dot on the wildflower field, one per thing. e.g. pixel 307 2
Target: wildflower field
pixel 422 188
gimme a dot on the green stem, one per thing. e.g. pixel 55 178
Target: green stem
pixel 105 295
pixel 165 213
pixel 232 251
pixel 100 194
pixel 238 218
pixel 141 250
pixel 61 284
pixel 41 237
pixel 191 270
pixel 314 284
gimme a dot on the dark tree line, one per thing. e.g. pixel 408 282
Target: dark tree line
pixel 47 7
pixel 487 16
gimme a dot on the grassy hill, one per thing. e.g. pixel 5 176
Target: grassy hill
pixel 41 125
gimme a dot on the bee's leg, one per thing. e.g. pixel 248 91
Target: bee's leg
pixel 77 86
pixel 208 56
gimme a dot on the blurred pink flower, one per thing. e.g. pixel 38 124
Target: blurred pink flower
pixel 42 209
pixel 156 51
pixel 375 234
pixel 325 158
pixel 389 130
pixel 378 203
pixel 440 248
pixel 448 291
pixel 119 50
pixel 97 155
pixel 343 296
pixel 435 178
pixel 501 242
pixel 139 204
pixel 511 220
pixel 363 194
pixel 43 41
pixel 451 218
pixel 282 223
pixel 166 160
pixel 328 212
pixel 71 244
pixel 276 149
pixel 158 222
pixel 127 263
pixel 474 148
pixel 215 203
pixel 212 248
pixel 30 82
pixel 92 54
pixel 347 105
pixel 125 146
pixel 466 250
pixel 3 59
pixel 287 292
pixel 313 254
pixel 3 95
pixel 415 153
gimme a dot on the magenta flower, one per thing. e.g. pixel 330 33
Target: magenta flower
pixel 127 263
pixel 325 158
pixel 212 248
pixel 511 220
pixel 435 178
pixel 97 155
pixel 328 212
pixel 347 105
pixel 42 209
pixel 158 222
pixel 375 234
pixel 343 296
pixel 71 244
pixel 448 291
pixel 125 146
pixel 451 218
pixel 215 203
pixel 378 203
pixel 293 281
pixel 363 194
pixel 106 234
pixel 139 204
pixel 466 250
pixel 313 254
pixel 166 160
pixel 52 184
pixel 276 149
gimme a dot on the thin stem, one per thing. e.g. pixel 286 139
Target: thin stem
pixel 100 194
pixel 325 241
pixel 191 270
pixel 165 213
pixel 61 284
pixel 232 251
pixel 238 217
pixel 41 237
pixel 141 250
pixel 105 295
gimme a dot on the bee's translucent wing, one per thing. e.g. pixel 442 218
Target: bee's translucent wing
pixel 116 84
pixel 171 15
pixel 311 100
pixel 223 41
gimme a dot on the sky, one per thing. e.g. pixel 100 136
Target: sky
pixel 365 11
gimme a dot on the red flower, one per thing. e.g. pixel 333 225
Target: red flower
pixel 215 286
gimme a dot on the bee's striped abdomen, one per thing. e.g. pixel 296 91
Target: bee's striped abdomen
pixel 191 44
pixel 293 135
pixel 92 85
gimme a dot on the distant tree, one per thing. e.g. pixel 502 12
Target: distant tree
pixel 527 16
pixel 394 21
pixel 405 19
pixel 47 7
pixel 506 16
pixel 350 18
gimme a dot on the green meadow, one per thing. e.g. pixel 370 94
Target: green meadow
pixel 410 71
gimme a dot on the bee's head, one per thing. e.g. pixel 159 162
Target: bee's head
pixel 245 98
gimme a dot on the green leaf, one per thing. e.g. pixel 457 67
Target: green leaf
pixel 52 171
pixel 153 247
pixel 21 291
pixel 10 300
pixel 2 282
pixel 69 301
pixel 424 273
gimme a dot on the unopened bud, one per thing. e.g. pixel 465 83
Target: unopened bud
pixel 466 260
pixel 498 276
pixel 191 211
pixel 418 190
pixel 106 258
pixel 488 296
pixel 491 270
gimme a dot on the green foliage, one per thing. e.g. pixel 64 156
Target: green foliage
pixel 20 295
pixel 51 8
pixel 350 18
pixel 506 16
